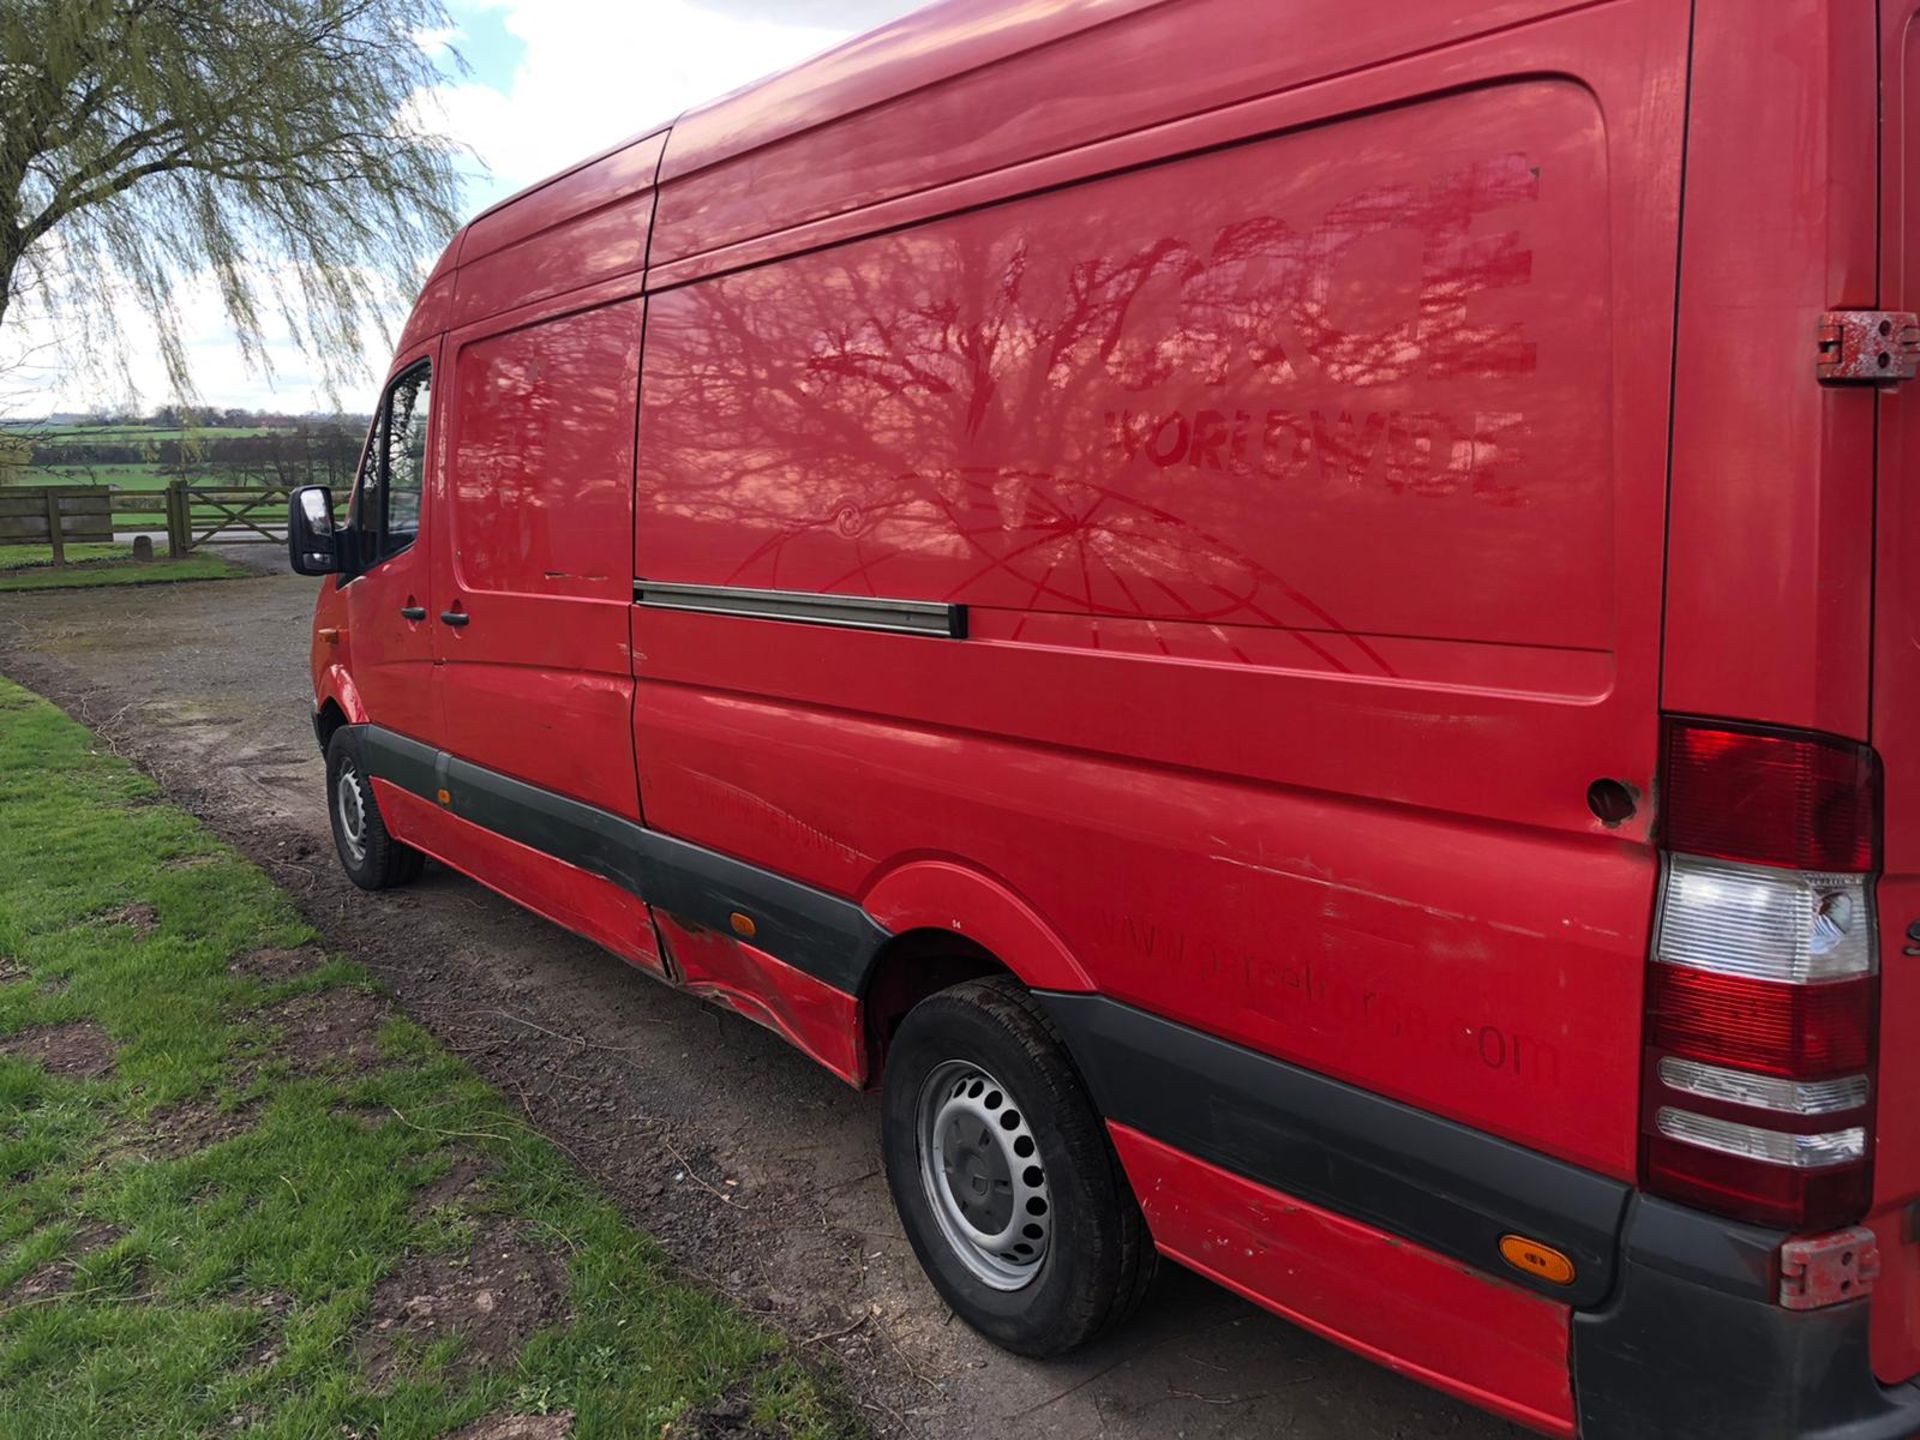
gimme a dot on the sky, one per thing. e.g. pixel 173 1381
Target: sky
pixel 547 83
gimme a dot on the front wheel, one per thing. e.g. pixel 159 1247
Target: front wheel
pixel 1009 1190
pixel 372 858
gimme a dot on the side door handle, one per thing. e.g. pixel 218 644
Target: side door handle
pixel 413 612
pixel 454 617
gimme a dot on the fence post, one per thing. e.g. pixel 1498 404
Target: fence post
pixel 179 521
pixel 54 537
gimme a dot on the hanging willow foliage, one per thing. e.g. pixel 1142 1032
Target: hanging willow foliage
pixel 271 144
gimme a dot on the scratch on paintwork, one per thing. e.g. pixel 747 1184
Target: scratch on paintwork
pixel 1431 911
pixel 1516 930
pixel 802 832
pixel 1599 930
pixel 1435 912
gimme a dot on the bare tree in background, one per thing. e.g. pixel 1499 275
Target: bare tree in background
pixel 271 144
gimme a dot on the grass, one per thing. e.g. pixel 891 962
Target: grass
pixel 229 1289
pixel 110 569
pixel 25 557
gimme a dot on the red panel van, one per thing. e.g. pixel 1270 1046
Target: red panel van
pixel 1294 623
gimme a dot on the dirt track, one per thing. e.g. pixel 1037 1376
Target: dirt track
pixel 755 1169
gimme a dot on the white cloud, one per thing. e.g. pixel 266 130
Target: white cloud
pixel 598 71
pixel 593 73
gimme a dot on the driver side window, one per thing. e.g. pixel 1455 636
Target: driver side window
pixel 386 504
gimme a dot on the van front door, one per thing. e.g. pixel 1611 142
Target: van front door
pixel 390 614
pixel 533 564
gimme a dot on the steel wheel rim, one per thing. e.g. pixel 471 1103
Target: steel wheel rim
pixel 981 1170
pixel 350 807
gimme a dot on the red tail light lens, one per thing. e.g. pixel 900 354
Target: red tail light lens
pixel 1762 997
pixel 1801 1032
pixel 1803 802
pixel 1757 1192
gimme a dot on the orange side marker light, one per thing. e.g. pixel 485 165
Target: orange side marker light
pixel 743 925
pixel 1530 1257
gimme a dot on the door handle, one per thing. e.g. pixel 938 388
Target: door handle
pixel 413 612
pixel 454 617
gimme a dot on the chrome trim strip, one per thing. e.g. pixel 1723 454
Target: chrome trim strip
pixel 850 612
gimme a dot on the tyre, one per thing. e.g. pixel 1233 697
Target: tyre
pixel 1009 1190
pixel 373 859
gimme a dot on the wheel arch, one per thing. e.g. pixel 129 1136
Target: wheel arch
pixel 950 923
pixel 338 703
pixel 329 718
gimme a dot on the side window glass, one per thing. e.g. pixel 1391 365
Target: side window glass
pixel 404 444
pixel 387 499
pixel 363 510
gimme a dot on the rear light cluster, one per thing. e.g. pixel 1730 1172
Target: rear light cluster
pixel 1763 990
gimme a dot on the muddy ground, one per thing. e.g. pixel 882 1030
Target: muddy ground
pixel 758 1171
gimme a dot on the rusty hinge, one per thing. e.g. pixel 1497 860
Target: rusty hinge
pixel 1868 347
pixel 1828 1269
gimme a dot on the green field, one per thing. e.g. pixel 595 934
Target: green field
pixel 134 434
pixel 235 1173
pixel 129 477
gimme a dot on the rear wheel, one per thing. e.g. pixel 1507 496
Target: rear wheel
pixel 372 858
pixel 1005 1181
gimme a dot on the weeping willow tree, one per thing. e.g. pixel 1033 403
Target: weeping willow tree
pixel 272 145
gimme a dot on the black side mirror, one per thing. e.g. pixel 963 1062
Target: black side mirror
pixel 311 547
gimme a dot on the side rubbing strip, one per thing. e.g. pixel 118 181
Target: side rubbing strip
pixel 398 760
pixel 1446 1186
pixel 832 939
pixel 852 612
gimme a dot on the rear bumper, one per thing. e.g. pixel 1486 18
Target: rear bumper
pixel 1672 1322
pixel 1691 1343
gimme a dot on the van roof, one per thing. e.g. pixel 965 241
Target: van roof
pixel 944 39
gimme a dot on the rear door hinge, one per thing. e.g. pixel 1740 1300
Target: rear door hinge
pixel 1823 1270
pixel 1867 347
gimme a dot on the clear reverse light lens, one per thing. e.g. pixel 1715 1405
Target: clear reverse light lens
pixel 1765 1092
pixel 1796 927
pixel 1774 1147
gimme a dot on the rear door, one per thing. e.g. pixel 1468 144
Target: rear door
pixel 1896 716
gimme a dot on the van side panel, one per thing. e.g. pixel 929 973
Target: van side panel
pixel 1499 1347
pixel 565 894
pixel 1296 494
pixel 1770 551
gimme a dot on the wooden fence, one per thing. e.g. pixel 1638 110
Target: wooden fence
pixel 190 516
pixel 56 515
